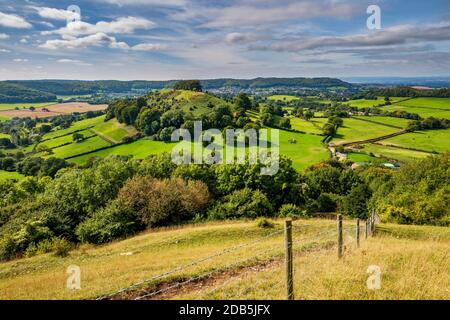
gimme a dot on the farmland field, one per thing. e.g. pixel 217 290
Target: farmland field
pixel 365 103
pixel 360 157
pixel 357 130
pixel 394 153
pixel 56 142
pixel 76 148
pixel 13 106
pixel 430 140
pixel 389 121
pixel 113 130
pixel 79 125
pixel 285 98
pixel 305 126
pixel 54 110
pixel 424 107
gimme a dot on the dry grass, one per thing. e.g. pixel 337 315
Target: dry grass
pixel 411 268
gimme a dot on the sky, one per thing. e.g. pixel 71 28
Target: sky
pixel 182 39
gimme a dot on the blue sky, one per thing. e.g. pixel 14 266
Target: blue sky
pixel 174 39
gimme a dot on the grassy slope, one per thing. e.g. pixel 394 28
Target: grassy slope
pixel 113 130
pixel 391 121
pixel 74 149
pixel 305 126
pixel 356 130
pixel 79 125
pixel 394 153
pixel 286 98
pixel 425 107
pixel 431 140
pixel 364 103
pixel 105 269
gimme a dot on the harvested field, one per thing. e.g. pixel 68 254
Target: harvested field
pixel 54 110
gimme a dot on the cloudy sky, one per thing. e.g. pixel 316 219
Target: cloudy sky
pixel 173 39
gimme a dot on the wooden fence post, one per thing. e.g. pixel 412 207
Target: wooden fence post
pixel 340 237
pixel 289 265
pixel 367 229
pixel 357 232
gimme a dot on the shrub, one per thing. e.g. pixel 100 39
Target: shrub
pixel 61 247
pixel 244 203
pixel 264 223
pixel 291 211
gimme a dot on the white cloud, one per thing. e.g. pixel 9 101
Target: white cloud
pixel 149 47
pixel 20 60
pixel 124 25
pixel 97 39
pixel 5 50
pixel 23 40
pixel 47 24
pixel 13 21
pixel 4 36
pixel 56 14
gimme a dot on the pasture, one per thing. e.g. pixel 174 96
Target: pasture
pixel 52 110
pixel 430 140
pixel 398 154
pixel 424 107
pixel 77 148
pixel 284 98
pixel 409 256
pixel 6 175
pixel 13 106
pixel 366 103
pixel 354 129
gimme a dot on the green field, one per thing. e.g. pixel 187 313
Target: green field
pixel 12 106
pixel 285 98
pixel 5 175
pixel 430 140
pixel 138 149
pixel 113 130
pixel 4 135
pixel 59 141
pixel 4 118
pixel 365 103
pixel 79 125
pixel 394 153
pixel 357 130
pixel 399 123
pixel 360 157
pixel 74 149
pixel 424 107
pixel 305 126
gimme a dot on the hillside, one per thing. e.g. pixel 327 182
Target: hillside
pixel 22 90
pixel 11 92
pixel 408 256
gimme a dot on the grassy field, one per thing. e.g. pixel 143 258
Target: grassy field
pixel 77 148
pixel 4 118
pixel 394 153
pixel 305 126
pixel 425 107
pixel 59 141
pixel 360 157
pixel 357 130
pixel 113 130
pixel 13 106
pixel 79 125
pixel 5 175
pixel 365 103
pixel 4 135
pixel 285 98
pixel 138 149
pixel 389 121
pixel 413 265
pixel 430 141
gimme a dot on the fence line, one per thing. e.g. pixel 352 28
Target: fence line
pixel 289 248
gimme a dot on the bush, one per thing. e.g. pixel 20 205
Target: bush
pixel 244 203
pixel 61 247
pixel 291 211
pixel 264 223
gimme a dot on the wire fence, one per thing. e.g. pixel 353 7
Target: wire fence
pixel 299 240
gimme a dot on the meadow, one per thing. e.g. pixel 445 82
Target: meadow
pixel 280 97
pixel 77 148
pixel 354 129
pixel 13 106
pixel 388 121
pixel 408 260
pixel 429 141
pixel 398 154
pixel 424 107
pixel 366 103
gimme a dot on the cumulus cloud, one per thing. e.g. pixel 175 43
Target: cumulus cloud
pixel 391 36
pixel 97 39
pixel 20 60
pixel 235 37
pixel 56 14
pixel 124 25
pixel 4 36
pixel 13 21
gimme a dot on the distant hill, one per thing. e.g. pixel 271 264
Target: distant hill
pixel 78 87
pixel 11 92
